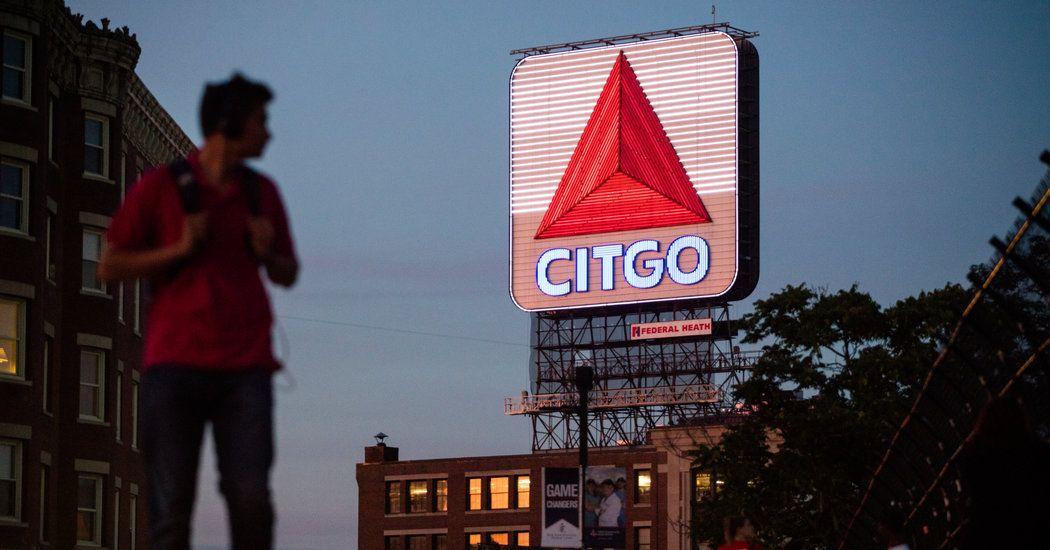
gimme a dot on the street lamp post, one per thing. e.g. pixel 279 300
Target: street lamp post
pixel 584 383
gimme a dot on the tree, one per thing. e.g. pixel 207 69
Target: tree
pixel 836 375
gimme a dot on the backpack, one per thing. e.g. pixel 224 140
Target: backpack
pixel 189 187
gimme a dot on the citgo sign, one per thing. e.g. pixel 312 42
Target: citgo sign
pixel 624 174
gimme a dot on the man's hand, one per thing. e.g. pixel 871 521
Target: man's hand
pixel 194 231
pixel 261 233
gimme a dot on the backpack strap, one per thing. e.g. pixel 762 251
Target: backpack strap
pixel 250 187
pixel 189 188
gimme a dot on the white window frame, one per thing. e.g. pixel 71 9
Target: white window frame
pixel 100 389
pixel 97 541
pixel 20 339
pixel 120 302
pixel 23 228
pixel 16 471
pixel 134 413
pixel 119 390
pixel 49 263
pixel 116 519
pixel 100 233
pixel 138 307
pixel 45 377
pixel 104 175
pixel 27 81
pixel 45 476
pixel 133 514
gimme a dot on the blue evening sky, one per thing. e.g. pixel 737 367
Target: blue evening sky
pixel 894 136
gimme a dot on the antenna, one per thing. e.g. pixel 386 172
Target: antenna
pixel 714 14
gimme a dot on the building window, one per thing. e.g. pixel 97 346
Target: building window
pixel 45 518
pixel 474 492
pixel 14 191
pixel 123 174
pixel 89 510
pixel 49 245
pixel 441 495
pixel 18 53
pixel 134 414
pixel 117 416
pixel 45 377
pixel 92 252
pixel 418 496
pixel 137 304
pixel 393 497
pixel 120 302
pixel 393 543
pixel 499 493
pixel 96 143
pixel 417 542
pixel 643 486
pixel 502 539
pixel 10 479
pixel 702 485
pixel 642 538
pixel 12 334
pixel 92 388
pixel 521 538
pixel 440 542
pixel 50 128
pixel 116 520
pixel 524 485
pixel 473 539
pixel 133 514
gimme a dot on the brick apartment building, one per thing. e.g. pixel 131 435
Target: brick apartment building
pixel 459 503
pixel 77 126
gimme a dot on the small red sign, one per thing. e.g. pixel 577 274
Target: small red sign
pixel 671 329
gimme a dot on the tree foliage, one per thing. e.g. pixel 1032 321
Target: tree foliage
pixel 837 373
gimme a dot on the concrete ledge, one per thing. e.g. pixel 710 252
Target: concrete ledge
pixel 16 151
pixel 16 431
pixel 95 220
pixel 91 466
pixel 15 288
pixel 96 106
pixel 94 341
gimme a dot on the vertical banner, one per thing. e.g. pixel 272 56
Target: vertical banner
pixel 561 508
pixel 605 507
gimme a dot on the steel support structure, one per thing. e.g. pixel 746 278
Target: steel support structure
pixel 638 384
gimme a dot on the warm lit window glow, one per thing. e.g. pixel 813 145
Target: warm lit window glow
pixel 474 490
pixel 11 329
pixel 523 491
pixel 701 484
pixel 642 537
pixel 523 538
pixel 643 486
pixel 499 493
pixel 393 497
pixel 418 496
pixel 473 538
pixel 441 500
pixel 500 538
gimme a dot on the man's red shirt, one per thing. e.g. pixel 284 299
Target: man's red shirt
pixel 212 311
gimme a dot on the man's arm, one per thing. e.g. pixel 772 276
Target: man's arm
pixel 282 269
pixel 118 264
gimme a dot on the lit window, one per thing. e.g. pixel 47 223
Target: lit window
pixel 643 486
pixel 96 143
pixel 14 188
pixel 701 485
pixel 393 497
pixel 17 60
pixel 441 495
pixel 642 538
pixel 474 490
pixel 417 542
pixel 418 496
pixel 522 538
pixel 500 538
pixel 499 493
pixel 92 389
pixel 92 252
pixel 10 479
pixel 523 491
pixel 473 538
pixel 89 509
pixel 12 334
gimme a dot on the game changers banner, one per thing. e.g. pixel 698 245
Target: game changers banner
pixel 604 507
pixel 561 508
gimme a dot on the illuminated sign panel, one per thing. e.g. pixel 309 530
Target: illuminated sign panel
pixel 624 174
pixel 671 329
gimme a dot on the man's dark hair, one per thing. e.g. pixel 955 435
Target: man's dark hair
pixel 226 105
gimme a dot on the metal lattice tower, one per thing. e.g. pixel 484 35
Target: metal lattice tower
pixel 638 384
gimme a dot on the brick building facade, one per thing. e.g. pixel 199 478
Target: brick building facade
pixel 459 503
pixel 77 126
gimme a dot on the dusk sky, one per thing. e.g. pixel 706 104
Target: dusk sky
pixel 894 136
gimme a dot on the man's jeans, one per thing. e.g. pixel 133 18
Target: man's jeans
pixel 177 402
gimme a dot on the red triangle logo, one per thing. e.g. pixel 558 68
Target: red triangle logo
pixel 624 173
